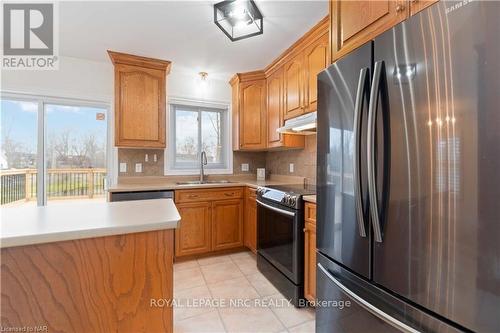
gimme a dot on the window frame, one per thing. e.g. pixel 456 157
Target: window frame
pixel 170 165
pixel 42 101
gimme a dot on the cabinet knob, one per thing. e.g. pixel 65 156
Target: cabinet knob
pixel 400 7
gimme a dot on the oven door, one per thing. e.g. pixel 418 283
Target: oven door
pixel 280 238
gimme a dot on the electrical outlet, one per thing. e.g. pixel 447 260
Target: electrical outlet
pixel 155 158
pixel 292 167
pixel 123 167
pixel 245 167
pixel 138 167
pixel 146 158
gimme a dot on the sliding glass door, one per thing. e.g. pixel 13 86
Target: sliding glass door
pixel 53 151
pixel 18 157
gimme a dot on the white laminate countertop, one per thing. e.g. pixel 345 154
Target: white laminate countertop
pixel 309 198
pixel 23 225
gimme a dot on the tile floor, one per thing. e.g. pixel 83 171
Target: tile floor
pixel 207 292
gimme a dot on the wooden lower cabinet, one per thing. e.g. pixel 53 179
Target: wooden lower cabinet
pixel 227 226
pixel 310 252
pixel 209 223
pixel 194 235
pixel 101 284
pixel 250 223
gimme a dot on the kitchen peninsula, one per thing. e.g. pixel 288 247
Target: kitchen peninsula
pixel 88 267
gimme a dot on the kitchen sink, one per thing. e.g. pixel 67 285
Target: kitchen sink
pixel 197 182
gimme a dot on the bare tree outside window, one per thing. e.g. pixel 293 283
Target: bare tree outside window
pixel 197 130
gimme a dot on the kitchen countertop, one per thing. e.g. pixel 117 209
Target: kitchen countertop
pixel 309 198
pixel 159 183
pixel 23 225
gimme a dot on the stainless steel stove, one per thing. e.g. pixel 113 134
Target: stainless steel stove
pixel 280 237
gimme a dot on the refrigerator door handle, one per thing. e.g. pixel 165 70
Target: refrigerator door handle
pixel 368 306
pixel 372 117
pixel 362 83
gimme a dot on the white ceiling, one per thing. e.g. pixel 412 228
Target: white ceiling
pixel 182 32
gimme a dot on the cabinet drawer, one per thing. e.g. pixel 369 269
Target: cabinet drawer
pixel 208 194
pixel 251 193
pixel 310 212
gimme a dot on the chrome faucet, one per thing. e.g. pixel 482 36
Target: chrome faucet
pixel 203 161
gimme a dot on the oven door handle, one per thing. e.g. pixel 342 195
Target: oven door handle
pixel 277 210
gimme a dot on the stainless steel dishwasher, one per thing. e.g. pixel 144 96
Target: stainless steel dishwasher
pixel 141 195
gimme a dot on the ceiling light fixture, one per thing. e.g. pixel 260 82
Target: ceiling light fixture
pixel 203 76
pixel 238 19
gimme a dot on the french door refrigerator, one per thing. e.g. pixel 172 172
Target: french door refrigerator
pixel 409 177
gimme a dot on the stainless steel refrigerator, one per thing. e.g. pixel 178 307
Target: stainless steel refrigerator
pixel 408 177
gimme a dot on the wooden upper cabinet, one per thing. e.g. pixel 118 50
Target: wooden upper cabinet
pixel 275 119
pixel 252 115
pixel 418 5
pixel 227 220
pixel 293 83
pixel 140 99
pixel 315 60
pixel 263 100
pixel 274 108
pixel 353 23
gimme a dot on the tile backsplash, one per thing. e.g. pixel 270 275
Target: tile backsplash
pixel 254 161
pixel 304 161
pixel 133 156
pixel 275 162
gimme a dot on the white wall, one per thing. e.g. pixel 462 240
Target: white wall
pixel 85 79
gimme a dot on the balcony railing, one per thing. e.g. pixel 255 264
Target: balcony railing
pixel 20 184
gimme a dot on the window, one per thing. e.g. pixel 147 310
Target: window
pixel 194 129
pixel 52 149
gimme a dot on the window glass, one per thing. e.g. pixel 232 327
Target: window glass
pixel 211 131
pixel 75 152
pixel 186 137
pixel 198 129
pixel 18 159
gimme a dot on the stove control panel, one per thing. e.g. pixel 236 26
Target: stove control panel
pixel 290 200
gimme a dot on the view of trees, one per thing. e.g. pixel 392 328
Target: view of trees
pixel 187 145
pixel 68 150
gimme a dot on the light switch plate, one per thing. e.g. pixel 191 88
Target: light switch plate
pixel 146 158
pixel 123 167
pixel 138 167
pixel 155 158
pixel 245 167
pixel 292 167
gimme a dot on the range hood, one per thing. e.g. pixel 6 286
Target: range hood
pixel 302 125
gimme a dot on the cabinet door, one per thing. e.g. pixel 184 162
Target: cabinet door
pixel 140 106
pixel 315 60
pixel 274 108
pixel 356 22
pixel 418 5
pixel 310 261
pixel 253 115
pixel 227 224
pixel 193 234
pixel 293 88
pixel 250 225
